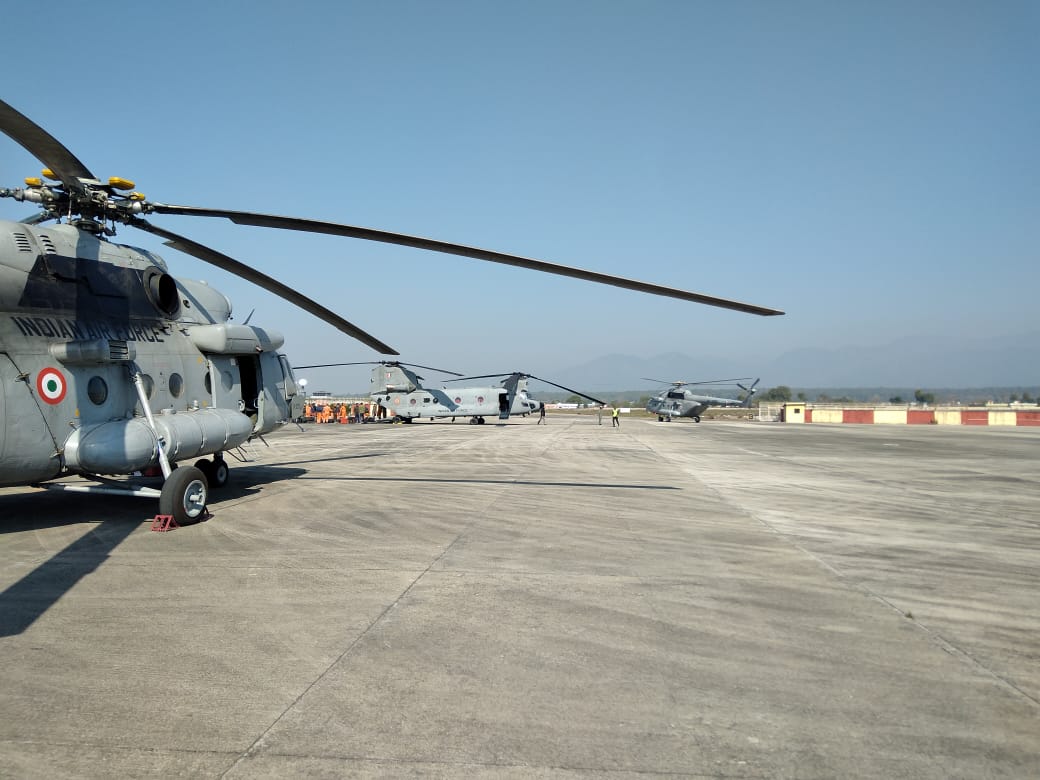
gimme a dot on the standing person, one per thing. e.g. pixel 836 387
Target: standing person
pixel 599 414
pixel 615 420
pixel 541 413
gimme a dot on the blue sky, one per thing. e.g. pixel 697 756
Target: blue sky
pixel 870 168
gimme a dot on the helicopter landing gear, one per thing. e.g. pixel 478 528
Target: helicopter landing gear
pixel 216 471
pixel 660 418
pixel 184 495
pixel 696 418
pixel 476 420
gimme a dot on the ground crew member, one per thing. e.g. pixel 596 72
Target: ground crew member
pixel 541 413
pixel 615 420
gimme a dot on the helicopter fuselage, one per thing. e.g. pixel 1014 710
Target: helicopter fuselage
pixel 683 403
pixel 402 394
pixel 474 402
pixel 104 355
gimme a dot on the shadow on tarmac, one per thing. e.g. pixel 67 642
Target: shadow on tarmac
pixel 25 601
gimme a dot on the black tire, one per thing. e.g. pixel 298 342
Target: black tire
pixel 696 418
pixel 221 473
pixel 216 471
pixel 184 495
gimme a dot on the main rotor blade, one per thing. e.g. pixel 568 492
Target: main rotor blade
pixel 433 245
pixel 705 382
pixel 333 365
pixel 266 282
pixel 429 368
pixel 44 147
pixel 482 376
pixel 382 363
pixel 568 389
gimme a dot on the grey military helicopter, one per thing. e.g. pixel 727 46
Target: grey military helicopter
pixel 400 392
pixel 397 389
pixel 110 365
pixel 678 401
pixel 509 397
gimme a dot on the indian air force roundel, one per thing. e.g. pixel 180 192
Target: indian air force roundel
pixel 51 384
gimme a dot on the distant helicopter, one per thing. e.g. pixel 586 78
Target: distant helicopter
pixel 508 398
pixel 109 365
pixel 401 393
pixel 680 402
pixel 395 388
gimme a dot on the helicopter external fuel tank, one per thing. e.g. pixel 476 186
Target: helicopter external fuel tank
pixel 122 446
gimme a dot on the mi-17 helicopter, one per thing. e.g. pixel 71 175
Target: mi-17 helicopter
pixel 678 401
pixel 401 393
pixel 110 365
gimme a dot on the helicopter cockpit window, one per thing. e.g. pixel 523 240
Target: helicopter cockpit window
pixel 97 390
pixel 676 394
pixel 176 385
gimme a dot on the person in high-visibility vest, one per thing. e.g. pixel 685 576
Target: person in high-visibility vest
pixel 615 420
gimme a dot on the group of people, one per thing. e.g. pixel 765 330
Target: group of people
pixel 615 419
pixel 334 412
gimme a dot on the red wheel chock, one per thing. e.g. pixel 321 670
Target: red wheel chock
pixel 163 523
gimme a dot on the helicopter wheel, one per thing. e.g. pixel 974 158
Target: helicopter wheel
pixel 472 420
pixel 184 495
pixel 480 421
pixel 696 418
pixel 660 418
pixel 216 471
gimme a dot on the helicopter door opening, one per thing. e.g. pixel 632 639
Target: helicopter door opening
pixel 249 372
pixel 233 383
pixel 503 404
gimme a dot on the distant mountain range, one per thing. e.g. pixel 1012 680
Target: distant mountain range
pixel 908 363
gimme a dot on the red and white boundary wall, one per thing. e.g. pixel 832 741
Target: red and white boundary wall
pixel 937 416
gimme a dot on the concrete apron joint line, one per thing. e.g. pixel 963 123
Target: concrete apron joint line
pixel 946 645
pixel 259 743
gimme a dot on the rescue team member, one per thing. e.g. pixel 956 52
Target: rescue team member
pixel 615 420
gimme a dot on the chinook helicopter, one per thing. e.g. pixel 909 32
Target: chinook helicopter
pixel 509 397
pixel 394 387
pixel 680 402
pixel 403 397
pixel 110 365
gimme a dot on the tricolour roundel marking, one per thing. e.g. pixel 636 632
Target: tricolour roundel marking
pixel 52 386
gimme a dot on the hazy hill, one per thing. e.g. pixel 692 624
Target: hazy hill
pixel 907 363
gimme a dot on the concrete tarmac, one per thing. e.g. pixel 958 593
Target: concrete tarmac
pixel 729 599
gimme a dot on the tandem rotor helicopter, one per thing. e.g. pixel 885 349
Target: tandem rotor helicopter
pixel 680 402
pixel 111 365
pixel 400 392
